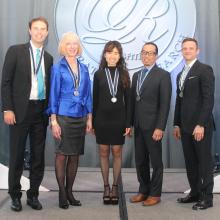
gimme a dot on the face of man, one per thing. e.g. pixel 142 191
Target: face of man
pixel 189 51
pixel 38 32
pixel 148 55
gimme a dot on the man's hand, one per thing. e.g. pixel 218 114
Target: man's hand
pixel 9 118
pixel 176 132
pixel 157 135
pixel 198 133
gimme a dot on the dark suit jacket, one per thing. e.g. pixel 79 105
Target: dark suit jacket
pixel 152 110
pixel 195 108
pixel 16 79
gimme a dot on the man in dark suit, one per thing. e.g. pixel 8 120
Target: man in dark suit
pixel 151 93
pixel 193 124
pixel 24 90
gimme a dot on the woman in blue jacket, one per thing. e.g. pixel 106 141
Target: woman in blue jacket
pixel 70 107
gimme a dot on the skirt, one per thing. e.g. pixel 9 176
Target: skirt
pixel 73 132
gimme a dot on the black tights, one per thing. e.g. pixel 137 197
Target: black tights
pixel 66 166
pixel 104 151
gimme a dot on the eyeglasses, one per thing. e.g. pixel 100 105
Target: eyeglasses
pixel 148 53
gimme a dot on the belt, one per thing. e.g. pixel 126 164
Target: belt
pixel 35 102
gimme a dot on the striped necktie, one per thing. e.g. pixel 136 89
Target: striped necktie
pixel 183 76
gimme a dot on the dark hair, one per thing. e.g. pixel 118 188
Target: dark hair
pixel 121 65
pixel 190 39
pixel 151 43
pixel 38 19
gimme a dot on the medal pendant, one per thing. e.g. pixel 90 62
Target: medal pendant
pixel 76 93
pixel 138 98
pixel 114 99
pixel 181 94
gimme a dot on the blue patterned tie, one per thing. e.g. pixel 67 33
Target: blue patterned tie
pixel 145 72
pixel 40 78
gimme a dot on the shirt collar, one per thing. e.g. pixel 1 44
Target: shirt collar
pixel 34 47
pixel 191 63
pixel 149 67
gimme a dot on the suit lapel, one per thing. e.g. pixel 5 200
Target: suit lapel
pixel 27 59
pixel 191 71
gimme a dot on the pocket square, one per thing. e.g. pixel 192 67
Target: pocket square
pixel 192 77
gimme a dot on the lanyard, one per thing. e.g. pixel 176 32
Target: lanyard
pixel 113 85
pixel 76 78
pixel 34 63
pixel 140 82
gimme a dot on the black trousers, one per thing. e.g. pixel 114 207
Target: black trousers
pixel 147 150
pixel 199 164
pixel 34 125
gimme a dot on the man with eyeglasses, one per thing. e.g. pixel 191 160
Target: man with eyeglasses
pixel 151 93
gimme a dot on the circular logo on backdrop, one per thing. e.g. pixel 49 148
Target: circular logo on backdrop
pixel 132 23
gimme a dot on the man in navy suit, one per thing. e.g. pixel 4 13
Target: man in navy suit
pixel 25 90
pixel 151 93
pixel 193 124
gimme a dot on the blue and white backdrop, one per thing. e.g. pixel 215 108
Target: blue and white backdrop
pixel 133 22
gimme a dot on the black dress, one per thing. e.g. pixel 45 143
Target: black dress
pixel 110 119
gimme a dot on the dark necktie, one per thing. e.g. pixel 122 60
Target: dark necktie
pixel 144 73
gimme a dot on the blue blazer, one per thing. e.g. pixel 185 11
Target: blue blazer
pixel 62 100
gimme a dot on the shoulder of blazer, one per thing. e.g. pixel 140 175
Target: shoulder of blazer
pixel 200 67
pixel 161 72
pixel 135 75
pixel 18 48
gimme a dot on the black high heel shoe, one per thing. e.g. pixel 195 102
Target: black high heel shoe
pixel 114 195
pixel 106 195
pixel 63 203
pixel 72 200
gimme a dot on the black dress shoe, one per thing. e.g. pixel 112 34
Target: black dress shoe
pixel 188 199
pixel 16 205
pixel 203 204
pixel 34 203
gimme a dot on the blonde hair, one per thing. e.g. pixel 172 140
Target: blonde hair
pixel 69 36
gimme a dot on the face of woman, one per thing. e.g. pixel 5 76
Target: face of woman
pixel 71 48
pixel 112 57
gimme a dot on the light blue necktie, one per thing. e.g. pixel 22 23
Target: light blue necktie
pixel 40 78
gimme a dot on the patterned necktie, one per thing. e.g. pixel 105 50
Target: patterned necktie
pixel 144 73
pixel 183 76
pixel 40 78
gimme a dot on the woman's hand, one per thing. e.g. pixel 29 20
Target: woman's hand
pixel 89 123
pixel 127 131
pixel 56 131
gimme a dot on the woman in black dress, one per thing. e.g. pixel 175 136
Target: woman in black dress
pixel 111 116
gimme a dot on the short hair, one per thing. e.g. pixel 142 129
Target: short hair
pixel 65 37
pixel 151 43
pixel 190 39
pixel 43 19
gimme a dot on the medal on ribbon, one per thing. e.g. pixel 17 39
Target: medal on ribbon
pixel 140 82
pixel 113 85
pixel 76 79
